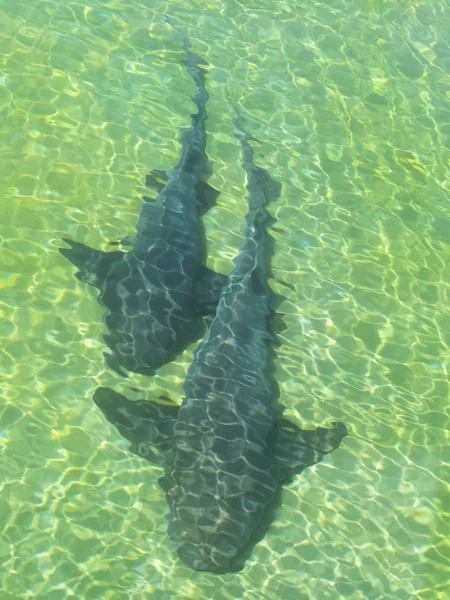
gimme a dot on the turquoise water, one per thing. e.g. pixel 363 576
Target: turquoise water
pixel 350 103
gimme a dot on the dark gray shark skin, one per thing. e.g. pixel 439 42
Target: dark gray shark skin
pixel 226 451
pixel 157 293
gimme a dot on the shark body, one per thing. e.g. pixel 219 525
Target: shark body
pixel 157 293
pixel 226 451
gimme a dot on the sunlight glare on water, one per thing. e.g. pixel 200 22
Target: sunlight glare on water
pixel 350 105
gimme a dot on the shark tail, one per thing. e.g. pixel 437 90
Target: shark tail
pixel 193 157
pixel 262 190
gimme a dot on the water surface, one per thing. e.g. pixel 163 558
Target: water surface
pixel 350 103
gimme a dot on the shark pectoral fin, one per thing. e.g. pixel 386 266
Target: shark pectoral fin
pixel 207 289
pixel 297 449
pixel 94 265
pixel 156 180
pixel 147 425
pixel 207 195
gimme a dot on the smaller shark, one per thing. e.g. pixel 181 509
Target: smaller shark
pixel 226 451
pixel 157 294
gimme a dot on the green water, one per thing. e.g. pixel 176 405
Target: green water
pixel 350 103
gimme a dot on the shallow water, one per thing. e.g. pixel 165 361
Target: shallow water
pixel 350 103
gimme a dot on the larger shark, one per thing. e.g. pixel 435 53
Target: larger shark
pixel 226 451
pixel 157 293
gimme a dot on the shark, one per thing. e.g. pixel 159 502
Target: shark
pixel 226 450
pixel 157 293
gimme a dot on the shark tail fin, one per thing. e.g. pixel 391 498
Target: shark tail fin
pixel 253 257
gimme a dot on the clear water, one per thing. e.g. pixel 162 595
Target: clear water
pixel 350 103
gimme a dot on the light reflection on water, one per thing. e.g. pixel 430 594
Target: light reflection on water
pixel 350 105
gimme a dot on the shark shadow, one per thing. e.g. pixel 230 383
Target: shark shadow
pixel 226 451
pixel 157 294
